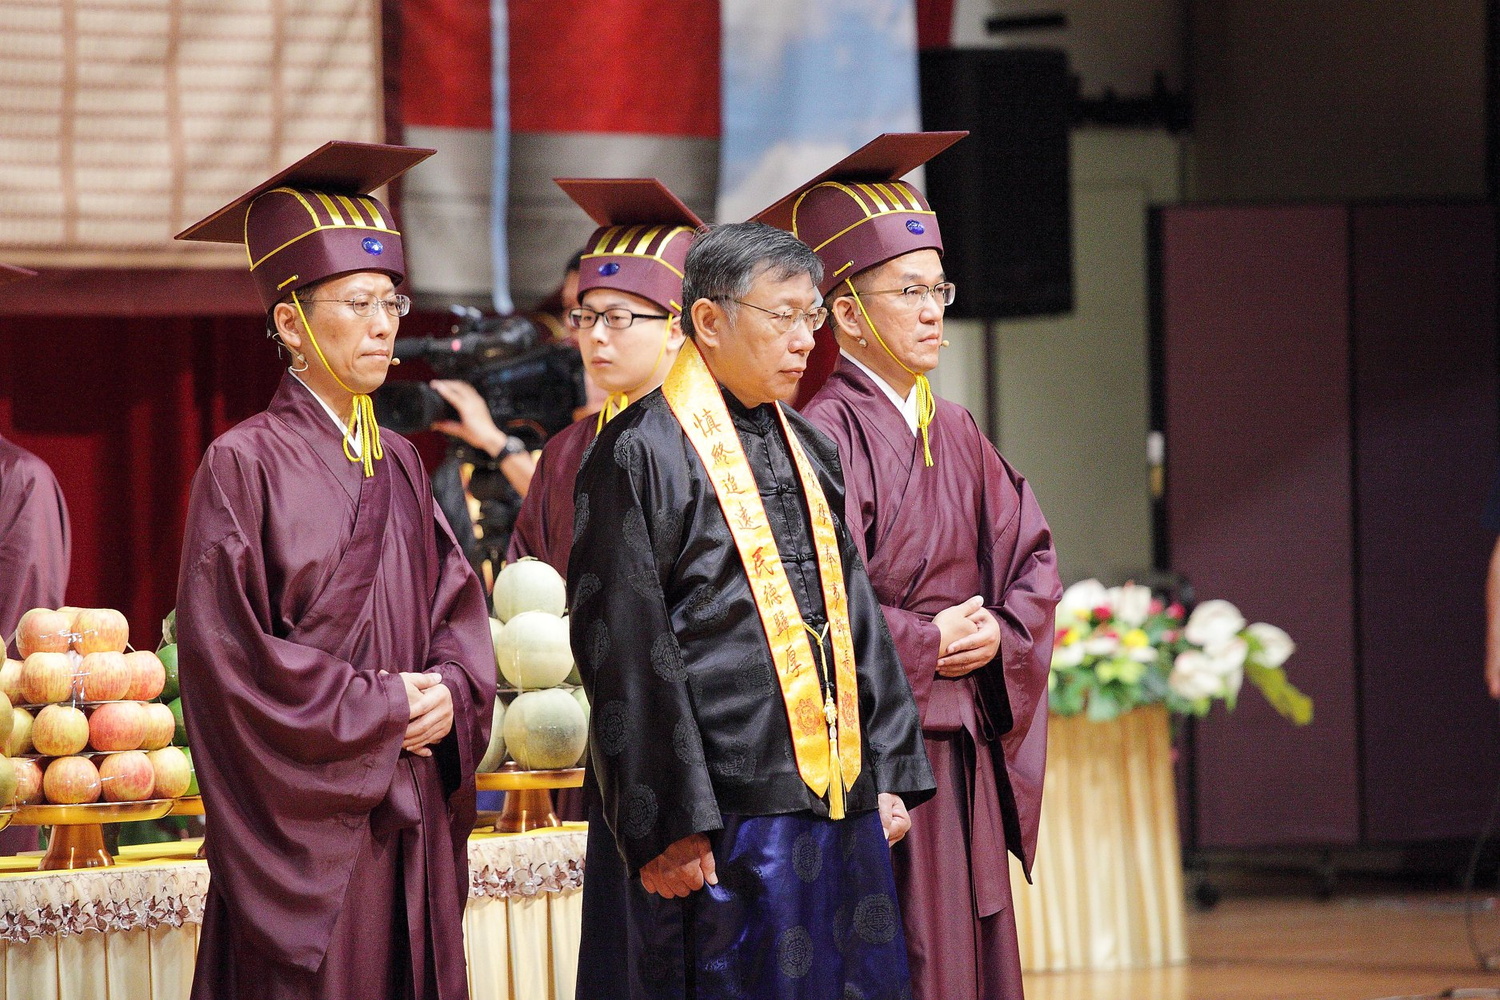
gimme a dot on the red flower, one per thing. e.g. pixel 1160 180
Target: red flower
pixel 1103 615
pixel 1156 606
pixel 1176 610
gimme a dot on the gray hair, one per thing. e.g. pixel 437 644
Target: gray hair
pixel 725 260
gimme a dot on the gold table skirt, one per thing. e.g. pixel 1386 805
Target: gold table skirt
pixel 1107 890
pixel 130 932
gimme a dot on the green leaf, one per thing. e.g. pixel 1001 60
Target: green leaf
pixel 1104 705
pixel 1280 692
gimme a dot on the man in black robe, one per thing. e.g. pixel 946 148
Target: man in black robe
pixel 754 736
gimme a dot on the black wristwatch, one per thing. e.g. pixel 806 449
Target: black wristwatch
pixel 512 446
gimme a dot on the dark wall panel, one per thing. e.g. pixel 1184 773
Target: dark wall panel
pixel 1256 362
pixel 1425 455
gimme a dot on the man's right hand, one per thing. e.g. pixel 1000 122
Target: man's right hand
pixel 680 869
pixel 421 698
pixel 954 623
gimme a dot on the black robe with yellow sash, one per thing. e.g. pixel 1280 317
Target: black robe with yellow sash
pixel 688 721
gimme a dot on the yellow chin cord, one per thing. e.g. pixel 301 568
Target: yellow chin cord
pixel 926 404
pixel 362 426
pixel 615 402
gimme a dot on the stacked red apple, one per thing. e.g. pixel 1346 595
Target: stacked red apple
pixel 82 723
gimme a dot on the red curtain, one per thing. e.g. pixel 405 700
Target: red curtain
pixel 122 409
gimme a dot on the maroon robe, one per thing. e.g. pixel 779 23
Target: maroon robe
pixel 35 548
pixel 544 527
pixel 339 861
pixel 34 538
pixel 919 529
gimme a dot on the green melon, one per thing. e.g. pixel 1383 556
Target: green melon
pixel 545 730
pixel 192 788
pixel 529 585
pixel 533 651
pixel 494 756
pixel 168 656
pixel 179 738
pixel 7 718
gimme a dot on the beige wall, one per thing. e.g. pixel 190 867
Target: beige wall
pixel 1319 99
pixel 1073 390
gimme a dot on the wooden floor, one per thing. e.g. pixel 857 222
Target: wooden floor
pixel 1356 947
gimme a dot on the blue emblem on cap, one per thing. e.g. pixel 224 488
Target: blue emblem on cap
pixel 608 269
pixel 373 246
pixel 914 226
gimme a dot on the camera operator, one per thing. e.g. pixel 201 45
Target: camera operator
pixel 476 428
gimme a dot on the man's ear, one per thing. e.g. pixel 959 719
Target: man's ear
pixel 709 322
pixel 675 336
pixel 845 315
pixel 287 327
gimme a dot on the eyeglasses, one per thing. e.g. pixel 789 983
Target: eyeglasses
pixel 789 320
pixel 395 307
pixel 615 319
pixel 912 296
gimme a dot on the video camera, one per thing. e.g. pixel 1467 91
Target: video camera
pixel 531 384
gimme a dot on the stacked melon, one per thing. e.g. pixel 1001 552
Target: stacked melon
pixel 545 724
pixel 80 714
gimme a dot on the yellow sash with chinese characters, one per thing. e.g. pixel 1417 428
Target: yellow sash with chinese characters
pixel 824 729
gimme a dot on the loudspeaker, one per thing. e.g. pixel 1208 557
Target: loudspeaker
pixel 1002 195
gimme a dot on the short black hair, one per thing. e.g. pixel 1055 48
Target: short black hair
pixel 725 260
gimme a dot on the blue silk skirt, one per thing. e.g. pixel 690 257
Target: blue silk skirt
pixel 805 909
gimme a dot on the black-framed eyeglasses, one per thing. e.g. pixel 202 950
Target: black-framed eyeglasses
pixel 912 296
pixel 788 320
pixel 615 319
pixel 395 307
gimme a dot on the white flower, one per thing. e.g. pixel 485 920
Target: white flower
pixel 1213 623
pixel 1079 600
pixel 1227 662
pixel 1192 677
pixel 1276 647
pixel 1067 656
pixel 1131 604
pixel 1101 645
pixel 1143 654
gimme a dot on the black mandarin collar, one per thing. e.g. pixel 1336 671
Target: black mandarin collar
pixel 753 419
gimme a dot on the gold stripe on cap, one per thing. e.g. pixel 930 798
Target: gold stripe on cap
pixel 874 195
pixel 372 209
pixel 859 223
pixel 625 236
pixel 354 217
pixel 318 229
pixel 333 211
pixel 645 241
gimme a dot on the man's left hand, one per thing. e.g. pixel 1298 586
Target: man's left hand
pixel 965 655
pixel 893 817
pixel 432 719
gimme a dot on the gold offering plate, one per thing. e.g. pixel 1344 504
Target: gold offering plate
pixel 188 805
pixel 518 781
pixel 48 814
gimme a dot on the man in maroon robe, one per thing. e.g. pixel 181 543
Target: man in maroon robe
pixel 35 548
pixel 959 554
pixel 34 537
pixel 627 322
pixel 337 672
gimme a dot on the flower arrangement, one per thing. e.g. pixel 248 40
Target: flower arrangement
pixel 1120 647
